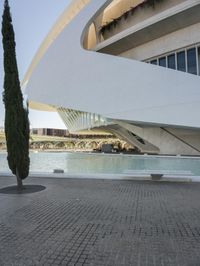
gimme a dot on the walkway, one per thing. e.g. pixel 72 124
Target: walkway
pixel 96 222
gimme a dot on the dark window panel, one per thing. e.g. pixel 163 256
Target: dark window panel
pixel 181 64
pixel 171 61
pixel 162 61
pixel 191 61
pixel 153 62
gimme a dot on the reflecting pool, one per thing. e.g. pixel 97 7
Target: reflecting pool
pixel 88 163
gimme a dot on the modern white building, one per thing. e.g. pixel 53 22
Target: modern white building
pixel 130 67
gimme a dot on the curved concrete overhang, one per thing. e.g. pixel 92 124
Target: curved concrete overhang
pixel 67 16
pixel 175 18
pixel 67 75
pixel 70 12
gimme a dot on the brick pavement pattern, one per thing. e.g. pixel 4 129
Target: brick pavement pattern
pixel 101 223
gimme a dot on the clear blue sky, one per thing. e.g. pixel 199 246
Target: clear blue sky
pixel 32 20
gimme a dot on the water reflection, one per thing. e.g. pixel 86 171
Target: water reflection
pixel 84 163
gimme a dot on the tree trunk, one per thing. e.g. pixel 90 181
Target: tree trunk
pixel 19 181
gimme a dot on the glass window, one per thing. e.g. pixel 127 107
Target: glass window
pixel 153 62
pixel 191 61
pixel 162 61
pixel 181 65
pixel 199 59
pixel 171 61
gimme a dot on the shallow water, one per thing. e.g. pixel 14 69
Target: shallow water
pixel 88 163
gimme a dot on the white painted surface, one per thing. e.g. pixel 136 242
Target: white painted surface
pixel 176 40
pixel 176 143
pixel 114 87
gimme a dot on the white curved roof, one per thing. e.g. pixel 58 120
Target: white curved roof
pixel 66 75
pixel 69 13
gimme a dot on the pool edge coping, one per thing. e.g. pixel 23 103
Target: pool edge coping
pixel 134 177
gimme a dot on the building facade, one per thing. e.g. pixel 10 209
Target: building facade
pixel 130 67
pixel 50 132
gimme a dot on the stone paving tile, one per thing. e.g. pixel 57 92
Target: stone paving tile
pixel 101 222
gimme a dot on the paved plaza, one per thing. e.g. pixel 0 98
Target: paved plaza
pixel 101 222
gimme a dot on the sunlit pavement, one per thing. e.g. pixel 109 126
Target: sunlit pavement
pixel 97 222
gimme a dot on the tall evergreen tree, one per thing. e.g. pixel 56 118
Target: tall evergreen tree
pixel 16 115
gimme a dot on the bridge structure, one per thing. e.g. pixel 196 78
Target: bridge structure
pixel 79 144
pixel 82 143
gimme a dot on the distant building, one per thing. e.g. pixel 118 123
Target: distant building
pixel 50 132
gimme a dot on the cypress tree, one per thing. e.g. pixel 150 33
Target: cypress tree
pixel 16 115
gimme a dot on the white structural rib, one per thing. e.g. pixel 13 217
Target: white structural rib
pixel 71 77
